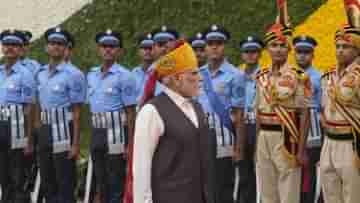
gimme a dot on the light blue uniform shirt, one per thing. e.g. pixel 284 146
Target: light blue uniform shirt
pixel 63 88
pixel 112 92
pixel 32 65
pixel 250 93
pixel 228 83
pixel 250 90
pixel 141 77
pixel 18 87
pixel 315 78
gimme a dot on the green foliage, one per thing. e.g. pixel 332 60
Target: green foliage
pixel 132 17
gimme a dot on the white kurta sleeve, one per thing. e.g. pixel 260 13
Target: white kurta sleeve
pixel 148 128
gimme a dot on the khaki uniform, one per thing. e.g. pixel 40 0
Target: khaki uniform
pixel 276 165
pixel 339 163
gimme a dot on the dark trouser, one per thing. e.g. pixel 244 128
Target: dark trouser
pixel 314 157
pixel 109 169
pixel 58 177
pixel 224 180
pixel 110 172
pixel 12 170
pixel 247 184
pixel 12 176
pixel 57 171
pixel 247 175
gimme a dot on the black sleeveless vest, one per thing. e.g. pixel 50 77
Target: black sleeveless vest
pixel 184 159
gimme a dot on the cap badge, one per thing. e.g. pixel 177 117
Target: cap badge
pixel 214 27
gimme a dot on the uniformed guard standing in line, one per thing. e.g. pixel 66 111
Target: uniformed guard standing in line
pixel 34 67
pixel 282 102
pixel 165 40
pixel 198 43
pixel 222 98
pixel 250 49
pixel 340 116
pixel 61 94
pixel 304 54
pixel 112 99
pixel 16 94
pixel 141 73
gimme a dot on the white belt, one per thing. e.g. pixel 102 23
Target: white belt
pixel 15 114
pixel 224 137
pixel 250 117
pixel 115 123
pixel 224 151
pixel 314 138
pixel 58 119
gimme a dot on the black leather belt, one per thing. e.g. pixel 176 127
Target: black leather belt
pixel 271 127
pixel 348 136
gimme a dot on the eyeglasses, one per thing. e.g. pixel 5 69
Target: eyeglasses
pixel 344 46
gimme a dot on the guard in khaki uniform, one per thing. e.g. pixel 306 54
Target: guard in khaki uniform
pixel 283 93
pixel 339 161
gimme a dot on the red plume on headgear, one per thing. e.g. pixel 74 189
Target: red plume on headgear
pixel 283 16
pixel 352 8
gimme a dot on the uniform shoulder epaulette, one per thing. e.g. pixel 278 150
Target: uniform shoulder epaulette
pixel 328 72
pixel 356 68
pixel 261 72
pixel 300 73
pixel 94 69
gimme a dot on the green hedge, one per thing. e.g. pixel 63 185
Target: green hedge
pixel 131 17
